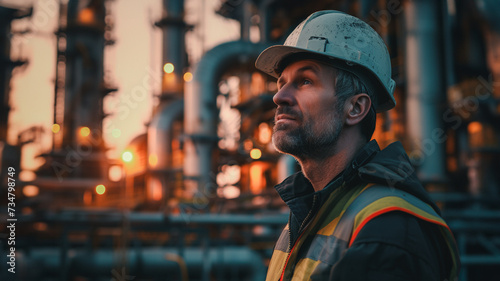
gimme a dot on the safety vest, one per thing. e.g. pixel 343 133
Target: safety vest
pixel 336 226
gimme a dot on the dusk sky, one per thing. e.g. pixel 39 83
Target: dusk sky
pixel 135 56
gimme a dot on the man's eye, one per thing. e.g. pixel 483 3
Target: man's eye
pixel 306 82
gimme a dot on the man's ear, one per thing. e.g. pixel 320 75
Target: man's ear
pixel 357 108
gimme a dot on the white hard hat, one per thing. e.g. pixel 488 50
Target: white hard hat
pixel 343 41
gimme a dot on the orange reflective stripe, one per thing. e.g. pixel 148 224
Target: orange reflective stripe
pixel 289 254
pixel 390 209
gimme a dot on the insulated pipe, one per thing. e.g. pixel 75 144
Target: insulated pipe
pixel 159 146
pixel 160 134
pixel 425 92
pixel 156 221
pixel 201 113
pixel 238 261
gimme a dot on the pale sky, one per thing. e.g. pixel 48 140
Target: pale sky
pixel 136 54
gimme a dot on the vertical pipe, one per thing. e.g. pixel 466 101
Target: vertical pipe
pixel 245 21
pixel 160 130
pixel 173 43
pixel 424 88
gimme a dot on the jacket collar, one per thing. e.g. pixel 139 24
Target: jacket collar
pixel 297 192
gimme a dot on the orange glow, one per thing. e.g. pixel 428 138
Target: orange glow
pixel 229 175
pixel 168 67
pixel 247 144
pixel 188 76
pixel 257 180
pixel 474 127
pixel 27 175
pixel 84 131
pixel 86 16
pixel 155 189
pixel 229 192
pixel 40 226
pixel 87 197
pixel 153 160
pixel 31 191
pixel 100 189
pixel 171 83
pixel 115 173
pixel 133 35
pixel 56 128
pixel 177 154
pixel 127 156
pixel 255 153
pixel 265 133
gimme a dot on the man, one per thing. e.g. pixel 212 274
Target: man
pixel 356 213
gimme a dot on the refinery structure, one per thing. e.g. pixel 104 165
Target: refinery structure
pixel 192 198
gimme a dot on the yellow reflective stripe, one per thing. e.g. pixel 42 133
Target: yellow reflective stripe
pixel 389 204
pixel 393 201
pixel 304 269
pixel 276 265
pixel 330 227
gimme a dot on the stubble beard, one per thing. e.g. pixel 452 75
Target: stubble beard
pixel 303 142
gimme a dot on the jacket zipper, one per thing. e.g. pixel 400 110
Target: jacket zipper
pixel 300 231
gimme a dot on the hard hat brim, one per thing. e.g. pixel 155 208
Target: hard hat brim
pixel 269 62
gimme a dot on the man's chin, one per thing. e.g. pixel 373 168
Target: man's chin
pixel 284 142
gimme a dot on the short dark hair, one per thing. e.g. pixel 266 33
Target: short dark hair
pixel 348 85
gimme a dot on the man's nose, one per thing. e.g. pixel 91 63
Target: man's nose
pixel 284 96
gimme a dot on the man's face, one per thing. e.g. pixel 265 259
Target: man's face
pixel 306 122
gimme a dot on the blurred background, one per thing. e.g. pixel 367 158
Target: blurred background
pixel 139 132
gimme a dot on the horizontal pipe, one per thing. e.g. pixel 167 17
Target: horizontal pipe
pixel 241 262
pixel 156 219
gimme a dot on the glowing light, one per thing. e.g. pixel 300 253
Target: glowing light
pixel 153 160
pixel 229 175
pixel 474 127
pixel 188 76
pixel 156 192
pixel 170 82
pixel 56 128
pixel 40 226
pixel 116 133
pixel 228 192
pixel 100 189
pixel 265 133
pixel 27 175
pixel 87 197
pixel 115 173
pixel 257 179
pixel 86 16
pixel 127 156
pixel 31 191
pixel 255 153
pixel 84 131
pixel 168 68
pixel 247 144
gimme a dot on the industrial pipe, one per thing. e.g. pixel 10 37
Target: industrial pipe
pixel 240 262
pixel 200 113
pixel 425 92
pixel 159 147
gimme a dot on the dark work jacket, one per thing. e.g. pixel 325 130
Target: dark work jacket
pixel 392 246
